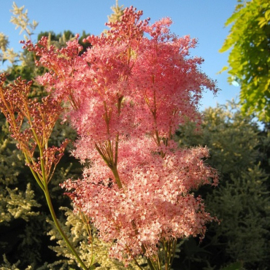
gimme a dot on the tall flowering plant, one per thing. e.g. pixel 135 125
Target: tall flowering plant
pixel 31 122
pixel 125 97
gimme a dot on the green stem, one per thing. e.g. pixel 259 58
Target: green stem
pixel 117 177
pixel 148 260
pixel 165 254
pixel 56 222
pixel 40 183
pixel 173 252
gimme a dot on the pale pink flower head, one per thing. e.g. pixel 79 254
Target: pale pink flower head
pixel 156 201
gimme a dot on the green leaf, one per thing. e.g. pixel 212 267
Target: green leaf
pixel 234 17
pixel 249 54
pixel 223 69
pixel 262 22
pixel 226 45
pixel 267 15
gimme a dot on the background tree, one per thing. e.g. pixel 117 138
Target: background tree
pixel 249 59
pixel 240 152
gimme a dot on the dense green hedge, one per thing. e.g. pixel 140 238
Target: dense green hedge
pixel 240 152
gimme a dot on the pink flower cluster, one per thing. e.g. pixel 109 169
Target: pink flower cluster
pixel 126 96
pixel 155 196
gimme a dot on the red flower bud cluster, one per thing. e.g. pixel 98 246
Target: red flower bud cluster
pixel 31 122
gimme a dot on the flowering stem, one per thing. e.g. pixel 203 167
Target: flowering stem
pixel 107 156
pixel 117 177
pixel 166 251
pixel 148 260
pixel 38 180
pixel 56 222
pixel 174 250
pixel 169 251
pixel 44 185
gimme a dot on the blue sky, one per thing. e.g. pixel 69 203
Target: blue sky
pixel 201 19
